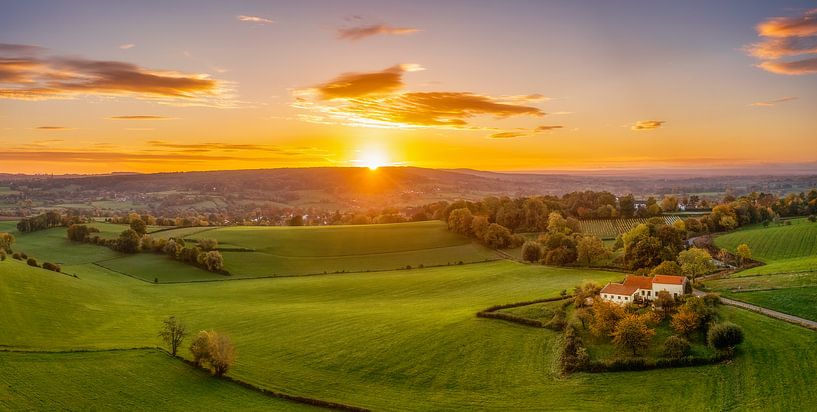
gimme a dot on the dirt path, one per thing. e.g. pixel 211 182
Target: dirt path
pixel 806 323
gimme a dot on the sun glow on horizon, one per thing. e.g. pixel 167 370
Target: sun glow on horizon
pixel 372 158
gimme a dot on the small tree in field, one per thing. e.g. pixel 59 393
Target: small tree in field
pixel 743 252
pixel 173 333
pixel 531 251
pixel 632 333
pixel 724 336
pixel 213 349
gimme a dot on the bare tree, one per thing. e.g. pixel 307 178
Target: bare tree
pixel 173 333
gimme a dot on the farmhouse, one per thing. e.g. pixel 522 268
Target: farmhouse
pixel 637 288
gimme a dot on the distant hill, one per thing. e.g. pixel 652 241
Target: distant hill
pixel 346 188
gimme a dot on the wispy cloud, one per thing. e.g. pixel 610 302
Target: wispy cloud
pixel 647 124
pixel 521 132
pixel 369 30
pixel 53 128
pixel 26 74
pixel 139 117
pixel 773 102
pixel 377 99
pixel 127 46
pixel 254 19
pixel 214 146
pixel 787 37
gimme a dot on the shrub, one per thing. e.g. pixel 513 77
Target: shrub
pixel 812 218
pixel 32 262
pixel 558 321
pixel 214 349
pixel 573 355
pixel 531 251
pixel 52 267
pixel 23 255
pixel 725 336
pixel 676 347
pixel 17 256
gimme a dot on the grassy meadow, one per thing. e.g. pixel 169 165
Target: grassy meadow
pixel 388 340
pixel 787 282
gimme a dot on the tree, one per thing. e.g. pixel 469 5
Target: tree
pixel 728 223
pixel 666 267
pixel 212 260
pixel 173 333
pixel 459 221
pixel 557 223
pixel 208 244
pixel 138 226
pixel 665 301
pixel 676 347
pixel 6 241
pixel 669 203
pixel 214 349
pixel 129 241
pixel 296 220
pixel 80 233
pixel 695 262
pixel 632 333
pixel 724 336
pixel 743 252
pixel 479 226
pixel 591 251
pixel 606 316
pixel 172 248
pixel 626 204
pixel 685 321
pixel 531 251
pixel 497 236
pixel 222 354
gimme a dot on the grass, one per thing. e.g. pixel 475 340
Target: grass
pixel 800 301
pixel 790 248
pixel 52 245
pixel 391 340
pixel 151 266
pixel 268 251
pixel 119 380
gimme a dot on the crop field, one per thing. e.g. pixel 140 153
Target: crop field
pixel 610 228
pixel 386 340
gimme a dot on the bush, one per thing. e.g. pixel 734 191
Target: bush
pixel 17 256
pixel 812 218
pixel 531 251
pixel 32 262
pixel 558 321
pixel 725 336
pixel 573 356
pixel 23 255
pixel 214 349
pixel 676 347
pixel 52 267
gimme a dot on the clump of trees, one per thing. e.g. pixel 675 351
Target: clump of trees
pixel 725 336
pixel 649 244
pixel 213 350
pixel 493 235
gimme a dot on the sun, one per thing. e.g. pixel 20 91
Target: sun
pixel 373 159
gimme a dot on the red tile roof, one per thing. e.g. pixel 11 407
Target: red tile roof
pixel 668 280
pixel 639 282
pixel 618 289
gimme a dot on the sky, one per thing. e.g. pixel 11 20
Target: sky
pixel 150 86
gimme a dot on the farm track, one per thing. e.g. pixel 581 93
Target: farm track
pixel 806 323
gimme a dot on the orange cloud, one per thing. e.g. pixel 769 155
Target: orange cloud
pixel 773 102
pixel 805 66
pixel 805 25
pixel 30 77
pixel 787 37
pixel 375 99
pixel 361 32
pixel 647 124
pixel 52 128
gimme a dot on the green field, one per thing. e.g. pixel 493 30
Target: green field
pixel 118 380
pixel 610 228
pixel 387 340
pixel 783 248
pixel 274 251
pixel 52 245
pixel 788 280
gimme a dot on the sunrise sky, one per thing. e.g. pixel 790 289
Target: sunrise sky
pixel 96 87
